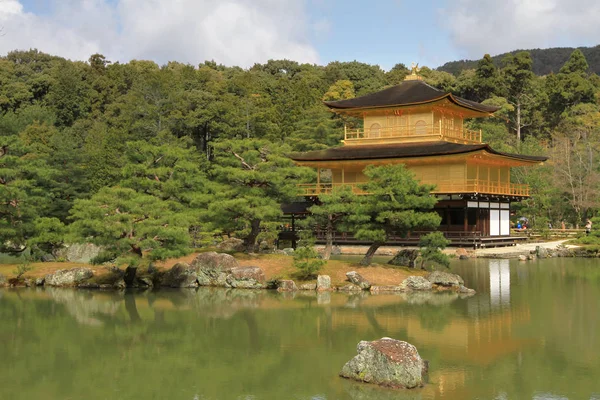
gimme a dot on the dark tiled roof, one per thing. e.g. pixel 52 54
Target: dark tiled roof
pixel 407 93
pixel 402 150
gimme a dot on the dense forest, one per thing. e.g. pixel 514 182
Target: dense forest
pixel 160 159
pixel 545 61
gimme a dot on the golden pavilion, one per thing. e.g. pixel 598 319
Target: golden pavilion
pixel 424 128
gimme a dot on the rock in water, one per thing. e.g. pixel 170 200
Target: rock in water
pixel 358 280
pixel 416 283
pixel 323 283
pixel 387 362
pixel 68 277
pixel 3 281
pixel 445 279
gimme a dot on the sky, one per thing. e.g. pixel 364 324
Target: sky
pixel 245 32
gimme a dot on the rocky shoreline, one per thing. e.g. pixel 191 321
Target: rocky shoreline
pixel 222 270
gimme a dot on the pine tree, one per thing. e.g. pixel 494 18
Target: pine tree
pixel 257 177
pixel 395 205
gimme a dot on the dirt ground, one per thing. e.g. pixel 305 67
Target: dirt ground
pixel 273 265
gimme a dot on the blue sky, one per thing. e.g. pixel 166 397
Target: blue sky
pixel 243 32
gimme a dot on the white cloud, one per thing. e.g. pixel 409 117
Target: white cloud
pixel 477 27
pixel 232 32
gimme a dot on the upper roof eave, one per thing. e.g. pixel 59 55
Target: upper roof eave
pixel 408 93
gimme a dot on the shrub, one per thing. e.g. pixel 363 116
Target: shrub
pixel 22 269
pixel 431 246
pixel 308 262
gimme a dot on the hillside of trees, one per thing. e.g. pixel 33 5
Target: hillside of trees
pixel 154 160
pixel 545 61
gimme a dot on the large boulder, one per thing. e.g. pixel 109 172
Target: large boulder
pixel 442 278
pixel 3 281
pixel 181 275
pixel 405 258
pixel 323 283
pixel 246 277
pixel 387 362
pixel 358 280
pixel 213 268
pixel 416 283
pixel 82 253
pixel 68 277
pixel 231 245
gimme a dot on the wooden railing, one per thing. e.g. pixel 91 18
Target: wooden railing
pixel 442 187
pixel 421 131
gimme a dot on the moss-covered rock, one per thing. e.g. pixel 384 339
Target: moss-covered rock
pixel 387 362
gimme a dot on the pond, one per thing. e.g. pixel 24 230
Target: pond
pixel 531 332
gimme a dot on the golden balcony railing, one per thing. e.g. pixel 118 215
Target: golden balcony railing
pixel 416 131
pixel 442 187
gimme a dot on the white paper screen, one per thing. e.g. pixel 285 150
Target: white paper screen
pixel 504 222
pixel 494 222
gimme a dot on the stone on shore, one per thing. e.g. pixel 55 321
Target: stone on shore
pixel 405 258
pixel 447 279
pixel 3 281
pixel 387 362
pixel 465 290
pixel 308 286
pixel 246 278
pixel 288 251
pixel 523 257
pixel 416 283
pixel 386 289
pixel 357 279
pixel 462 254
pixel 286 285
pixel 181 275
pixel 350 288
pixel 213 268
pixel 542 252
pixel 68 277
pixel 323 283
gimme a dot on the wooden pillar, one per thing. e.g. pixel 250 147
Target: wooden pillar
pixel 499 180
pixel 466 220
pixel 343 176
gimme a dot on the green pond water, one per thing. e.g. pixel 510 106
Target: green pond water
pixel 531 332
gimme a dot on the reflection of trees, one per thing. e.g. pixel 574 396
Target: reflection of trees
pixel 210 342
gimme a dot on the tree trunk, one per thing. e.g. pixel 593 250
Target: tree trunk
pixel 328 239
pixel 129 276
pixel 250 241
pixel 519 122
pixel 370 253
